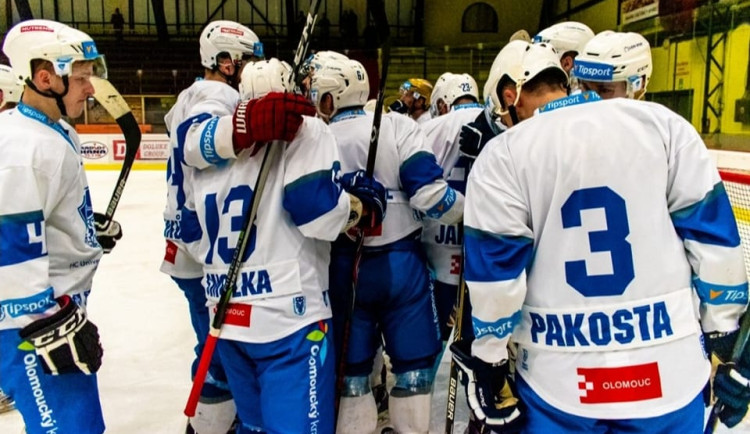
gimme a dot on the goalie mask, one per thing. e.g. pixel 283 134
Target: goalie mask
pixel 345 80
pixel 614 57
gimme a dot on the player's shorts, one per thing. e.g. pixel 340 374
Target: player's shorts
pixel 543 418
pixel 284 386
pixel 393 300
pixel 66 403
pixel 215 389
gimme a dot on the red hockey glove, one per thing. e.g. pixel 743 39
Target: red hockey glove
pixel 276 116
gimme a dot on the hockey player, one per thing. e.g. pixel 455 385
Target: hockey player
pixel 615 65
pixel 414 99
pixel 275 344
pixel 225 47
pixel 11 88
pixel 392 294
pixel 568 38
pixel 591 228
pixel 50 246
pixel 443 242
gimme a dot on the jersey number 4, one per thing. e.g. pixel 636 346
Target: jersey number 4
pixel 216 212
pixel 611 240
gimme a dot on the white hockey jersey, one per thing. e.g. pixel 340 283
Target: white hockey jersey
pixel 601 237
pixel 404 165
pixel 48 245
pixel 204 99
pixel 423 118
pixel 443 242
pixel 283 282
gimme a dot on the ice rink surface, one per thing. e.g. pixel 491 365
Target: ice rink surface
pixel 145 328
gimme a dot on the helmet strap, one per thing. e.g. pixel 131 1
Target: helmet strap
pixel 52 94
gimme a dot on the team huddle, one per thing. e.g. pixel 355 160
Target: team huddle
pixel 591 228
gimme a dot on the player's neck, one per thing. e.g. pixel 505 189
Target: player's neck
pixel 214 76
pixel 41 103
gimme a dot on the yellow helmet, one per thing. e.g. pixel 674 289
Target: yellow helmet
pixel 421 88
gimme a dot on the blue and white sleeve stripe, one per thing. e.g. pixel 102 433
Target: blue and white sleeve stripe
pixel 708 221
pixel 419 170
pixel 495 257
pixel 311 196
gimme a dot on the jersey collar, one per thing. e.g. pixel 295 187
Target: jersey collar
pixel 575 99
pixel 32 113
pixel 347 114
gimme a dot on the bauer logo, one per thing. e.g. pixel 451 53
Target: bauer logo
pixel 593 71
pixel 94 150
pixel 621 384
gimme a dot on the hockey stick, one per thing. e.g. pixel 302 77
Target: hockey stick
pixel 739 347
pixel 381 22
pixel 242 238
pixel 450 407
pixel 109 98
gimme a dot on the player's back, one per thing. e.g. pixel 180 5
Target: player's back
pixel 610 283
pixel 300 211
pixel 400 139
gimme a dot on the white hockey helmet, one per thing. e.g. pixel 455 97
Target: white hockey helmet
pixel 229 38
pixel 439 92
pixel 565 37
pixel 10 85
pixel 262 77
pixel 316 61
pixel 614 56
pixel 458 86
pixel 520 61
pixel 55 42
pixel 346 80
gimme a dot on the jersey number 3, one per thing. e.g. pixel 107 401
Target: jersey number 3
pixel 220 245
pixel 611 240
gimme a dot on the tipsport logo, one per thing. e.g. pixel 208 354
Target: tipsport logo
pixel 318 351
pixel 593 71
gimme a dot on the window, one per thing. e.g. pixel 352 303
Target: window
pixel 479 18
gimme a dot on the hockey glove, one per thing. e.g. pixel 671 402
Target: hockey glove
pixel 107 232
pixel 732 380
pixel 276 116
pixel 371 193
pixel 490 391
pixel 398 106
pixel 475 135
pixel 66 342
